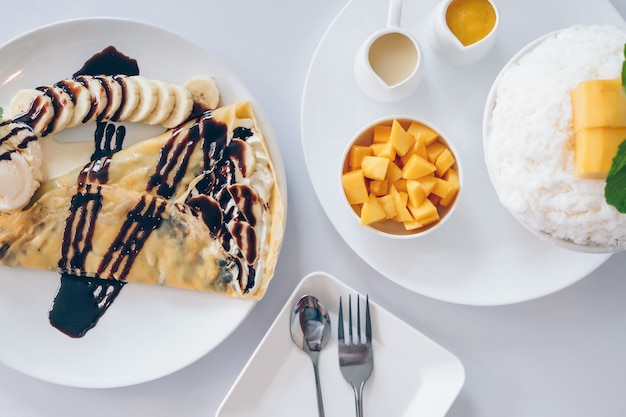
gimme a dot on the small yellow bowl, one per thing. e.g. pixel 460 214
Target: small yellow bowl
pixel 433 184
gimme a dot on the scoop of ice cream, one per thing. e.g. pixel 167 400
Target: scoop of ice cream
pixel 17 183
pixel 20 165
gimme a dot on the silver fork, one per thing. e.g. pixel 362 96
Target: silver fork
pixel 355 355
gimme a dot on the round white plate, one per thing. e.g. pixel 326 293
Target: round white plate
pixel 481 256
pixel 149 331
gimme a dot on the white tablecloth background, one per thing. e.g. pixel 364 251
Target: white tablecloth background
pixel 560 355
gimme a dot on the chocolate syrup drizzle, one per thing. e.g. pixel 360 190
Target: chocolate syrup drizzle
pixel 34 114
pixel 17 129
pixel 80 300
pixel 89 297
pixel 173 160
pixel 109 61
pixel 229 210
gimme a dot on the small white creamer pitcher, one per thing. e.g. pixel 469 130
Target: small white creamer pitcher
pixel 389 65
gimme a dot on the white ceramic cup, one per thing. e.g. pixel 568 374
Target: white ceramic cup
pixel 389 65
pixel 449 47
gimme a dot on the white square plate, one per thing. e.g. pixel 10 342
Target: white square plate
pixel 413 376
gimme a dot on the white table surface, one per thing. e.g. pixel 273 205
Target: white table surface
pixel 561 355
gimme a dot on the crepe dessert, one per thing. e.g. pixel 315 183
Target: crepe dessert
pixel 196 207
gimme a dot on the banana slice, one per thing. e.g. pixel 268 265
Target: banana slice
pixel 149 98
pixel 80 97
pixel 33 107
pixel 114 94
pixel 183 107
pixel 63 108
pixel 131 97
pixel 20 103
pixel 165 104
pixel 204 92
pixel 98 97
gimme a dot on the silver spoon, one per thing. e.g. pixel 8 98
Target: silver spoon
pixel 310 331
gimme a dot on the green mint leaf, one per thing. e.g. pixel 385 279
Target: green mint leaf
pixel 615 188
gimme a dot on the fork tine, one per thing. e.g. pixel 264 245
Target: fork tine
pixel 340 324
pixel 358 318
pixel 368 321
pixel 350 318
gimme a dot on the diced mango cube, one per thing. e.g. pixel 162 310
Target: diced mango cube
pixel 441 188
pixel 426 213
pixel 400 139
pixel 372 211
pixel 434 150
pixel 401 200
pixel 354 186
pixel 400 184
pixel 381 134
pixel 598 103
pixel 403 215
pixel 356 154
pixel 384 150
pixel 444 161
pixel 377 148
pixel 594 150
pixel 415 192
pixel 402 212
pixel 387 151
pixel 428 183
pixel 379 188
pixel 417 167
pixel 452 177
pixel 403 197
pixel 423 133
pixel 394 172
pixel 374 167
pixel 388 203
pixel 418 148
pixel 412 225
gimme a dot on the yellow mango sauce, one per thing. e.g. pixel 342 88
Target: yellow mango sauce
pixel 470 20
